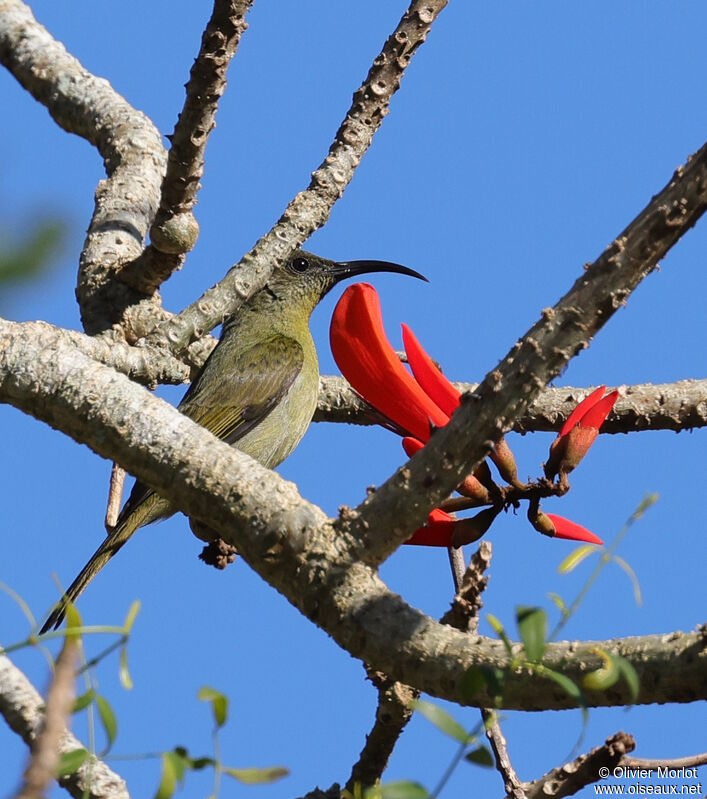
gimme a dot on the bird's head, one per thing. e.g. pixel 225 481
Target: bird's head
pixel 305 278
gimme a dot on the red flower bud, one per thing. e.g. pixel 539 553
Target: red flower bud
pixel 437 532
pixel 466 531
pixel 558 527
pixel 579 432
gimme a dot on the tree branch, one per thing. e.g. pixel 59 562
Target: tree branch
pixel 646 406
pixel 175 229
pixel 132 152
pixel 22 707
pixel 292 545
pixel 310 209
pixel 44 757
pixel 385 519
pixel 570 778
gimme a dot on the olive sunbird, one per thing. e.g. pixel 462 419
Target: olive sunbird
pixel 257 390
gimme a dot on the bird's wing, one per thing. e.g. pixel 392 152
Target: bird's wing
pixel 234 401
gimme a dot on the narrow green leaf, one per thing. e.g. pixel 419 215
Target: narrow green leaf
pixel 256 776
pixel 73 621
pixel 401 789
pixel 629 675
pixel 83 701
pixel 168 779
pixel 108 719
pixel 123 671
pixel 559 603
pixel 133 610
pixel 648 501
pixel 180 760
pixel 500 632
pixel 481 756
pixel 442 720
pixel 532 626
pixel 219 703
pixel 70 762
pixel 637 596
pixel 575 558
pixel 568 686
pixel 473 682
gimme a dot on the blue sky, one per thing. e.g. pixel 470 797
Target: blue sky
pixel 524 138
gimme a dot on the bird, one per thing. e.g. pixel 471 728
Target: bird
pixel 257 390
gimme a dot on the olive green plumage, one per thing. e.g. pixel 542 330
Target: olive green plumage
pixel 257 391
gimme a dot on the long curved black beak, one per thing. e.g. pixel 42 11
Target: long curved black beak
pixel 343 269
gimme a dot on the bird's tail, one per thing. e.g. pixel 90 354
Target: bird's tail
pixel 144 513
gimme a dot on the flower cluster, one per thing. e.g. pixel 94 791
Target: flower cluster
pixel 418 403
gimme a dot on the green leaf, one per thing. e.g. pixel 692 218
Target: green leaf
pixel 70 762
pixel 481 756
pixel 73 621
pixel 648 501
pixel 108 719
pixel 83 701
pixel 200 763
pixel 442 720
pixel 637 596
pixel 559 603
pixel 180 760
pixel 473 682
pixel 532 626
pixel 575 558
pixel 133 610
pixel 629 675
pixel 604 677
pixel 500 632
pixel 219 703
pixel 168 780
pixel 401 789
pixel 568 686
pixel 256 776
pixel 123 671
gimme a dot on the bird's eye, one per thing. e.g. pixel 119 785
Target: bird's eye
pixel 299 264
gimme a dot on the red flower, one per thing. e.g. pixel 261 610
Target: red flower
pixel 369 363
pixel 420 402
pixel 579 432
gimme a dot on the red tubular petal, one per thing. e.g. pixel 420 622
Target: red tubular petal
pixel 437 532
pixel 369 363
pixel 581 409
pixel 434 383
pixel 596 415
pixel 572 531
pixel 411 445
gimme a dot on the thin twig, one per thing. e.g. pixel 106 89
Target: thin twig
pixel 115 496
pixel 44 755
pixel 22 707
pixel 310 209
pixel 175 229
pixel 653 764
pixel 464 614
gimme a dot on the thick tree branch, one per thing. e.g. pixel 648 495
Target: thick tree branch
pixel 144 364
pixel 132 152
pixel 292 545
pixel 385 519
pixel 22 707
pixel 175 229
pixel 310 209
pixel 646 406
